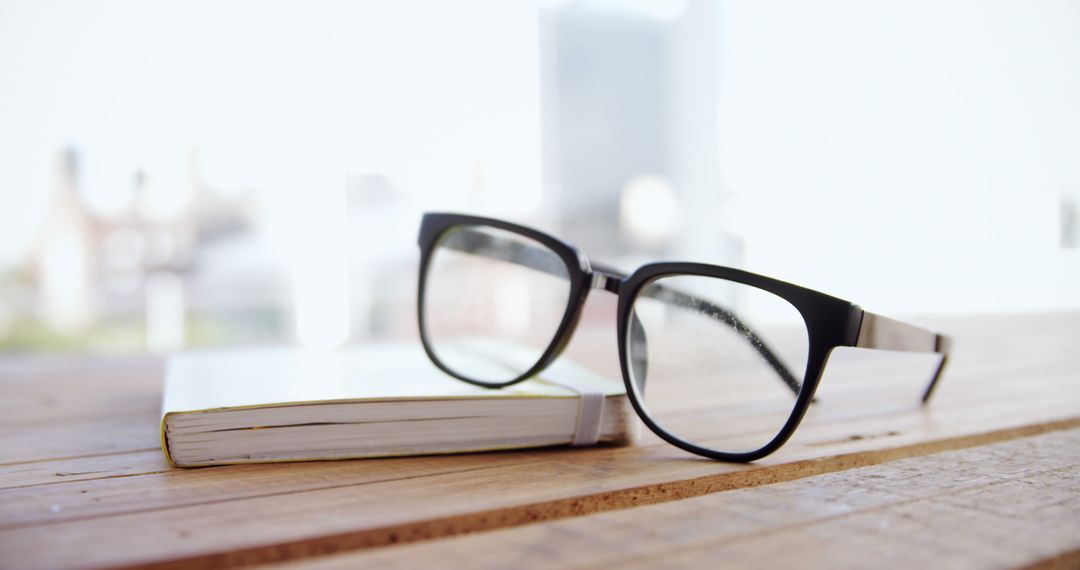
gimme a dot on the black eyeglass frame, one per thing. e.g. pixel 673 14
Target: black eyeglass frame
pixel 831 322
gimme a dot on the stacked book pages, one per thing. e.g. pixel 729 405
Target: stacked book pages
pixel 260 405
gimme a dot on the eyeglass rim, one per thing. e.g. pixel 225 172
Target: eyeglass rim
pixel 830 322
pixel 436 225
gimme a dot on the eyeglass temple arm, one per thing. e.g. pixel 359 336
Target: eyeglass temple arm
pixel 480 243
pixel 883 333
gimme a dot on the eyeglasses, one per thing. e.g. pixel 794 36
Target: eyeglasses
pixel 719 362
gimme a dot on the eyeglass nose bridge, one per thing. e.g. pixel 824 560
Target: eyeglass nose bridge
pixel 610 282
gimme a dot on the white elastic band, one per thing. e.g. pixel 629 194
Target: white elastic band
pixel 590 412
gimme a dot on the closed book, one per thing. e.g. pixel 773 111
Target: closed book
pixel 264 405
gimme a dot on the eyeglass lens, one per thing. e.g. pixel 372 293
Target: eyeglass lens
pixel 493 302
pixel 721 364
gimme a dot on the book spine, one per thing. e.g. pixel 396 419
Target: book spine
pixel 165 442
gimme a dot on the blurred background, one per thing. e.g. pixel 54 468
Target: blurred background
pixel 213 173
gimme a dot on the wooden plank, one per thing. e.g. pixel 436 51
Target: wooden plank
pixel 289 524
pixel 248 514
pixel 85 438
pixel 1002 505
pixel 102 466
pixel 822 438
pixel 82 391
pixel 93 387
pixel 133 429
pixel 172 488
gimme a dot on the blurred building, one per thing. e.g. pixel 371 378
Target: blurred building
pixel 148 268
pixel 66 258
pixel 630 128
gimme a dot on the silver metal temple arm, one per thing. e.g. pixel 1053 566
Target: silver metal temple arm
pixel 884 333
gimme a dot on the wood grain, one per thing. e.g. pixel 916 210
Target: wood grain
pixel 1002 505
pixel 76 486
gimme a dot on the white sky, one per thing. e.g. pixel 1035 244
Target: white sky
pixel 908 156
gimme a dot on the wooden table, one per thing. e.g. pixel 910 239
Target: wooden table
pixel 987 476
